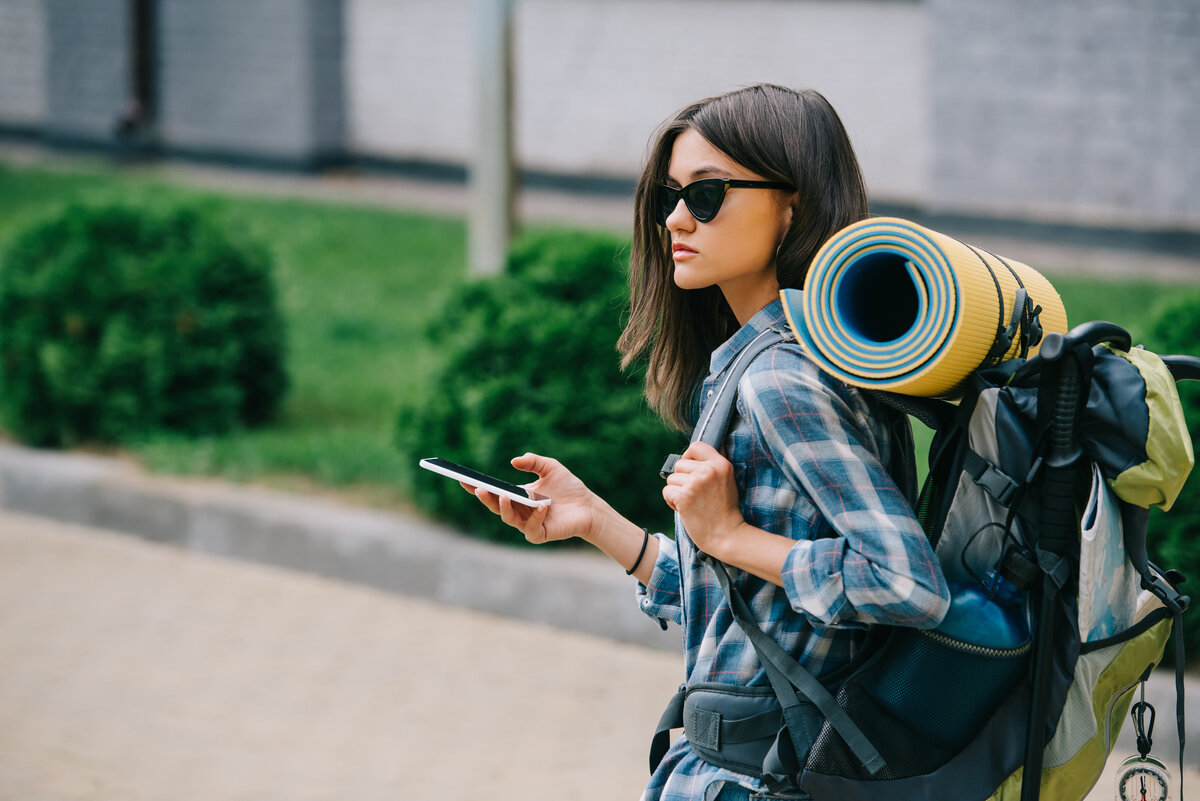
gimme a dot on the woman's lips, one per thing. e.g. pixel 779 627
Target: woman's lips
pixel 681 251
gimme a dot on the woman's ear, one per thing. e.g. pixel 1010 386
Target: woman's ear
pixel 790 211
pixel 793 204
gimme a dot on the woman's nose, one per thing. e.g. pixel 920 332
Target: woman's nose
pixel 680 217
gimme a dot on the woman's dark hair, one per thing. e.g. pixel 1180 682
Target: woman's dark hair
pixel 781 134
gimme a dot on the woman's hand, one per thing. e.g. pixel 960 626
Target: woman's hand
pixel 570 513
pixel 703 491
pixel 573 511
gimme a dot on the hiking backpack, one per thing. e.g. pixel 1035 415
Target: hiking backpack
pixel 1042 473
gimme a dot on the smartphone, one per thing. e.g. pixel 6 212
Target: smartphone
pixel 489 483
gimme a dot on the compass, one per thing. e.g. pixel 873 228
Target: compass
pixel 1142 779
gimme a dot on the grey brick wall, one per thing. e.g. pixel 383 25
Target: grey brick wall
pixel 594 78
pixel 1075 111
pixel 257 80
pixel 87 71
pixel 1078 110
pixel 22 63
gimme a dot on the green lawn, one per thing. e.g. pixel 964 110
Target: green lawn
pixel 357 287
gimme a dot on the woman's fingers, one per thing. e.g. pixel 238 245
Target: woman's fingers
pixel 534 526
pixel 701 452
pixel 668 495
pixel 530 521
pixel 488 499
pixel 507 513
pixel 521 517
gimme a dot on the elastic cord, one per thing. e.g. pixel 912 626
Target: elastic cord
pixel 641 553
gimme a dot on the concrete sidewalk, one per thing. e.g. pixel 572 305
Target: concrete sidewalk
pixel 134 671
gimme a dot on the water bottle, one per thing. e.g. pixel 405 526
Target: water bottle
pixel 992 616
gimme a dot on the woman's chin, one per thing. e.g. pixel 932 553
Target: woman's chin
pixel 687 279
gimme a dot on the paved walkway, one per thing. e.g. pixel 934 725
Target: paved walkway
pixel 135 671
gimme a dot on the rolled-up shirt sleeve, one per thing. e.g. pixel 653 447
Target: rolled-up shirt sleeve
pixel 869 561
pixel 661 599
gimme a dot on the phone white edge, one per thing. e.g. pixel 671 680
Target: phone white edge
pixel 533 500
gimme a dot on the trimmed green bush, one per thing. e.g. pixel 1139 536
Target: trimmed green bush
pixel 529 364
pixel 118 320
pixel 1173 540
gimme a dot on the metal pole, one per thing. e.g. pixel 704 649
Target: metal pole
pixel 492 184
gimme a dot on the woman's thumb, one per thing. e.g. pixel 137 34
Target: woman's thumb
pixel 532 463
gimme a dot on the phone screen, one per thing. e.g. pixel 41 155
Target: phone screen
pixel 477 479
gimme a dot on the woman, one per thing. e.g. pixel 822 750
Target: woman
pixel 811 505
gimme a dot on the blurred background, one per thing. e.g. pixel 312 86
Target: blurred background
pixel 318 175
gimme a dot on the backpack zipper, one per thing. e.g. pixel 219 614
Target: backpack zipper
pixel 975 648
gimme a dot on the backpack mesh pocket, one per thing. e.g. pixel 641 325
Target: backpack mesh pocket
pixel 920 700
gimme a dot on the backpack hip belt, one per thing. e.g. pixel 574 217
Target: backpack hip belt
pixel 734 727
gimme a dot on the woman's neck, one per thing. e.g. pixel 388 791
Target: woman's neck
pixel 747 299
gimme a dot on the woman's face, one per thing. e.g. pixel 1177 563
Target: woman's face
pixel 736 249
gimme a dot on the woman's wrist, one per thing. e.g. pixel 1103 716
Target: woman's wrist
pixel 754 550
pixel 606 524
pixel 631 546
pixel 641 553
pixel 722 544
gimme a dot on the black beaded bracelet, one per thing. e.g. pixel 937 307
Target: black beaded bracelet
pixel 641 553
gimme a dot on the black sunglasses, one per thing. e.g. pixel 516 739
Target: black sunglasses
pixel 704 197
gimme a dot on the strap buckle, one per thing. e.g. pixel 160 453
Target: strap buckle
pixel 994 481
pixel 668 466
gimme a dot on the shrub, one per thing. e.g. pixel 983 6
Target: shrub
pixel 118 320
pixel 1172 536
pixel 529 364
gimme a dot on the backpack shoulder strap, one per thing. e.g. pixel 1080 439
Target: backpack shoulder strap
pixel 786 675
pixel 714 420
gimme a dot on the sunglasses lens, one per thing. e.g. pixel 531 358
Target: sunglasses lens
pixel 666 200
pixel 704 199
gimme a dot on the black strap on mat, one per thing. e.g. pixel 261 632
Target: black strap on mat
pixel 784 672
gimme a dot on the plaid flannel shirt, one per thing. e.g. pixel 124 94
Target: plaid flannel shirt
pixel 831 468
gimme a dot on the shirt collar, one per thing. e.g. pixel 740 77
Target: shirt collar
pixel 769 316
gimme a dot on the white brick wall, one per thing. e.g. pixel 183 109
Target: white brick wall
pixel 22 62
pixel 594 79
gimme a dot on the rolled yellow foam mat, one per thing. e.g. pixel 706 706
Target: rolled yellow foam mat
pixel 891 305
